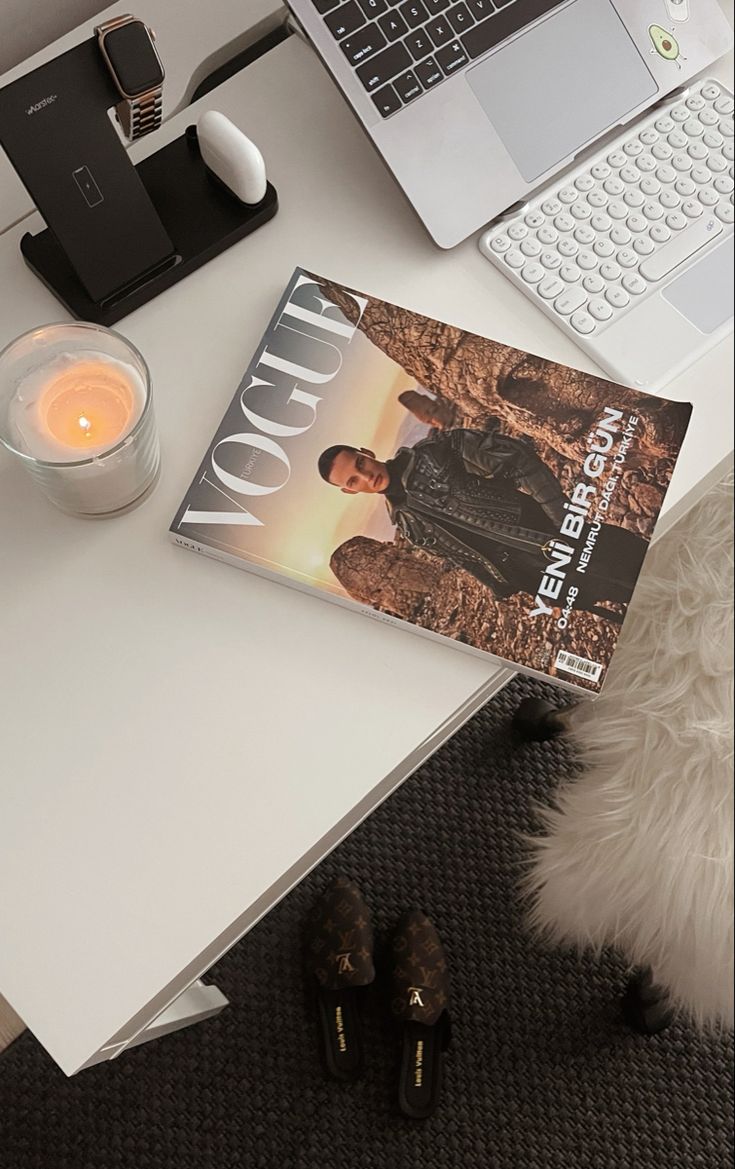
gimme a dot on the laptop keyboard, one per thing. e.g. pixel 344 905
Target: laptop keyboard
pixel 400 49
pixel 595 244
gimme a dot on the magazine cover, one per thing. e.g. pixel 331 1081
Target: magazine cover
pixel 437 478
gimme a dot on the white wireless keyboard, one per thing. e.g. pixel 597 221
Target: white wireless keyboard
pixel 631 254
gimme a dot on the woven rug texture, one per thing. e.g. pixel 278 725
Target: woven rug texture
pixel 542 1075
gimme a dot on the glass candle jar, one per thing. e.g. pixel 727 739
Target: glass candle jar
pixel 76 409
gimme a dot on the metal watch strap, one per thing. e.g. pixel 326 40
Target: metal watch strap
pixel 140 115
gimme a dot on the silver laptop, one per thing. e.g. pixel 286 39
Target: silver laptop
pixel 474 104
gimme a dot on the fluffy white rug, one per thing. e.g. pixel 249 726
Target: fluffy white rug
pixel 638 852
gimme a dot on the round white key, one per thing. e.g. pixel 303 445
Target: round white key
pixel 568 195
pixel 708 118
pixel 634 198
pixel 713 140
pixel 660 233
pixel 616 159
pixel 662 151
pixel 637 223
pixel 665 174
pixel 646 163
pixel 517 231
pixel 551 260
pixel 723 105
pixel 649 136
pixel 664 124
pixel 580 211
pixel 582 322
pixel 514 259
pixel 600 171
pixel 600 310
pixel 550 287
pixel 627 258
pixel 632 283
pixel 695 102
pixel 617 297
pixel 597 198
pixel 601 222
pixel 564 222
pixel 547 234
pixel 534 219
pixel 694 128
pixel 676 221
pixel 629 174
pixel 609 271
pixel 500 244
pixel 531 247
pixel 650 185
pixel 633 148
pixel 681 162
pixel 717 163
pixel 617 210
pixel 613 186
pixel 593 283
pixel 603 248
pixel 684 187
pixel 725 212
pixel 643 245
pixel 551 207
pixel 587 262
pixel 726 128
pixel 677 140
pixel 652 211
pixel 567 248
pixel 710 91
pixel 700 174
pixel 584 183
pixel 698 151
pixel 569 300
pixel 569 273
pixel 728 151
pixel 723 184
pixel 680 114
pixel 620 235
pixel 532 273
pixel 585 235
pixel 668 199
pixel 708 197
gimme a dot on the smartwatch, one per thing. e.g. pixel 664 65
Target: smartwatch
pixel 127 46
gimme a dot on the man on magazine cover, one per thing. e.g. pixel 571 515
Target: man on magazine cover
pixel 488 504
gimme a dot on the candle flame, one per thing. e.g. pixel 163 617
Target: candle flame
pixel 85 424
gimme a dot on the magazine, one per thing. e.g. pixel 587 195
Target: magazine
pixel 437 479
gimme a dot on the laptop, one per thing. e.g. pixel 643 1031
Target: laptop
pixel 475 104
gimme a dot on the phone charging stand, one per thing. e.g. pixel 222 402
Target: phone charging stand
pixel 202 217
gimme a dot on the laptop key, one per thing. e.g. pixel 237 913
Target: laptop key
pixel 386 101
pixel 436 6
pixel 452 57
pixel 428 73
pixel 393 25
pixel 418 45
pixel 508 20
pixel 459 18
pixel 362 44
pixel 481 8
pixel 414 13
pixel 407 86
pixel 440 32
pixel 324 6
pixel 373 8
pixel 345 19
pixel 384 66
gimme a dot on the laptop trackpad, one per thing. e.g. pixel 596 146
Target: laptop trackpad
pixel 561 84
pixel 704 293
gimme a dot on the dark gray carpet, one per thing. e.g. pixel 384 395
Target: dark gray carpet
pixel 542 1075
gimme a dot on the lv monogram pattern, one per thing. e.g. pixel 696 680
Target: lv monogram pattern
pixel 420 974
pixel 340 945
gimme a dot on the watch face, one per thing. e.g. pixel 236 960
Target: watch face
pixel 133 58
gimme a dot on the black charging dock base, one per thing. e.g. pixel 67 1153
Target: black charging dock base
pixel 201 216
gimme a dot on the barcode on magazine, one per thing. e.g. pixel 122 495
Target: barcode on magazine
pixel 582 667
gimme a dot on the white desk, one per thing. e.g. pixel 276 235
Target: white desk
pixel 178 745
pixel 194 38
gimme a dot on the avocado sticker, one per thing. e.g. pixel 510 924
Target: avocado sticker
pixel 665 43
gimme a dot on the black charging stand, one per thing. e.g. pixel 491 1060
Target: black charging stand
pixel 117 234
